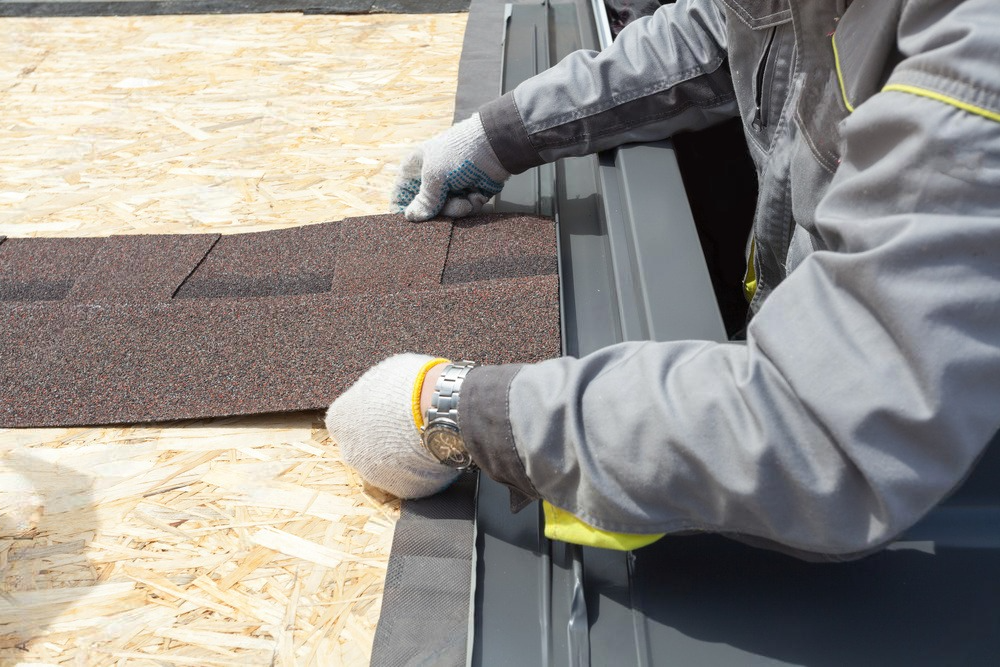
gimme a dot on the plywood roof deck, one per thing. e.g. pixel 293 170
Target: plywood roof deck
pixel 224 542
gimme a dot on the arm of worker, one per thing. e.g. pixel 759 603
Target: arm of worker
pixel 868 385
pixel 665 73
pixel 380 426
pixel 870 379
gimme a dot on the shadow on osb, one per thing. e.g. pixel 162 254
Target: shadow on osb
pixel 47 518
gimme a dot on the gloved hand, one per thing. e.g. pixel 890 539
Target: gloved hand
pixel 454 174
pixel 374 423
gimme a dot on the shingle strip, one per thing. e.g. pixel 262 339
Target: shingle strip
pixel 127 352
pixel 298 260
pixel 380 256
pixel 198 358
pixel 140 268
pixel 43 269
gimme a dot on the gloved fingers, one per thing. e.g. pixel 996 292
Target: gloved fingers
pixel 461 206
pixel 457 207
pixel 478 200
pixel 429 200
pixel 408 180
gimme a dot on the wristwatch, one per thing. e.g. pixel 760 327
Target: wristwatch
pixel 442 436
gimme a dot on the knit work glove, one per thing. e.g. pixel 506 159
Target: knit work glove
pixel 454 174
pixel 375 423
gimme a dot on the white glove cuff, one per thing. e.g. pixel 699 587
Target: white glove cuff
pixel 469 140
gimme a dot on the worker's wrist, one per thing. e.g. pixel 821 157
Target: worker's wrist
pixel 506 135
pixel 487 432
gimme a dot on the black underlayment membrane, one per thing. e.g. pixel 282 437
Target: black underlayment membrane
pixel 428 582
pixel 131 329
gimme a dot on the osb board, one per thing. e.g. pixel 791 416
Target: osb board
pixel 225 542
pixel 199 123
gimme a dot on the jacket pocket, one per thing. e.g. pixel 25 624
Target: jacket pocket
pixel 757 14
pixel 762 62
pixel 865 51
pixel 844 67
pixel 761 82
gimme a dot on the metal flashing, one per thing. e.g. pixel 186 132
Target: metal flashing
pixel 625 231
pixel 659 267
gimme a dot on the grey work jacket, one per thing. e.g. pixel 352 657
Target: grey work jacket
pixel 870 380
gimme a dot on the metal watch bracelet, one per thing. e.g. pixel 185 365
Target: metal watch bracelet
pixel 444 401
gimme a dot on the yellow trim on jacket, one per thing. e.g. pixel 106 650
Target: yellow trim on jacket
pixel 750 279
pixel 840 76
pixel 947 99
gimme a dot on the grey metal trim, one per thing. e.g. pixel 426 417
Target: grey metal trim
pixel 525 52
pixel 624 232
pixel 659 268
pixel 610 228
pixel 601 22
pixel 478 74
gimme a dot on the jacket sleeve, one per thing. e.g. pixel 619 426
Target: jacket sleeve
pixel 870 380
pixel 664 73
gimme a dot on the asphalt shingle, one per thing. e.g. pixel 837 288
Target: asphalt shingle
pixel 185 326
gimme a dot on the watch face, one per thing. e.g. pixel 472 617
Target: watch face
pixel 445 443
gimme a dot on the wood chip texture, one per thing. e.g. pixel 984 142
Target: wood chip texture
pixel 220 542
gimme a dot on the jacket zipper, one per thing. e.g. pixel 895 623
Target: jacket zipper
pixel 760 115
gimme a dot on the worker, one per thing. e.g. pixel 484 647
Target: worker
pixel 869 381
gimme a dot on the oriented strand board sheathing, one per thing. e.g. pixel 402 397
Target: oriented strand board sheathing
pixel 230 541
pixel 213 123
pixel 222 543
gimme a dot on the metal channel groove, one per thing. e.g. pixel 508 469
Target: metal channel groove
pixel 626 219
pixel 659 268
pixel 603 219
pixel 705 599
pixel 535 35
pixel 542 570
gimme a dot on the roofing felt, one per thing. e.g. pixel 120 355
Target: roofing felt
pixel 161 327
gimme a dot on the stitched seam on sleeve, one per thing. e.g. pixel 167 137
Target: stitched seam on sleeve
pixel 947 83
pixel 524 129
pixel 617 100
pixel 667 113
pixel 940 97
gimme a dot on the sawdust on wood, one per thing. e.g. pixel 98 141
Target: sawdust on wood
pixel 223 542
pixel 213 123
